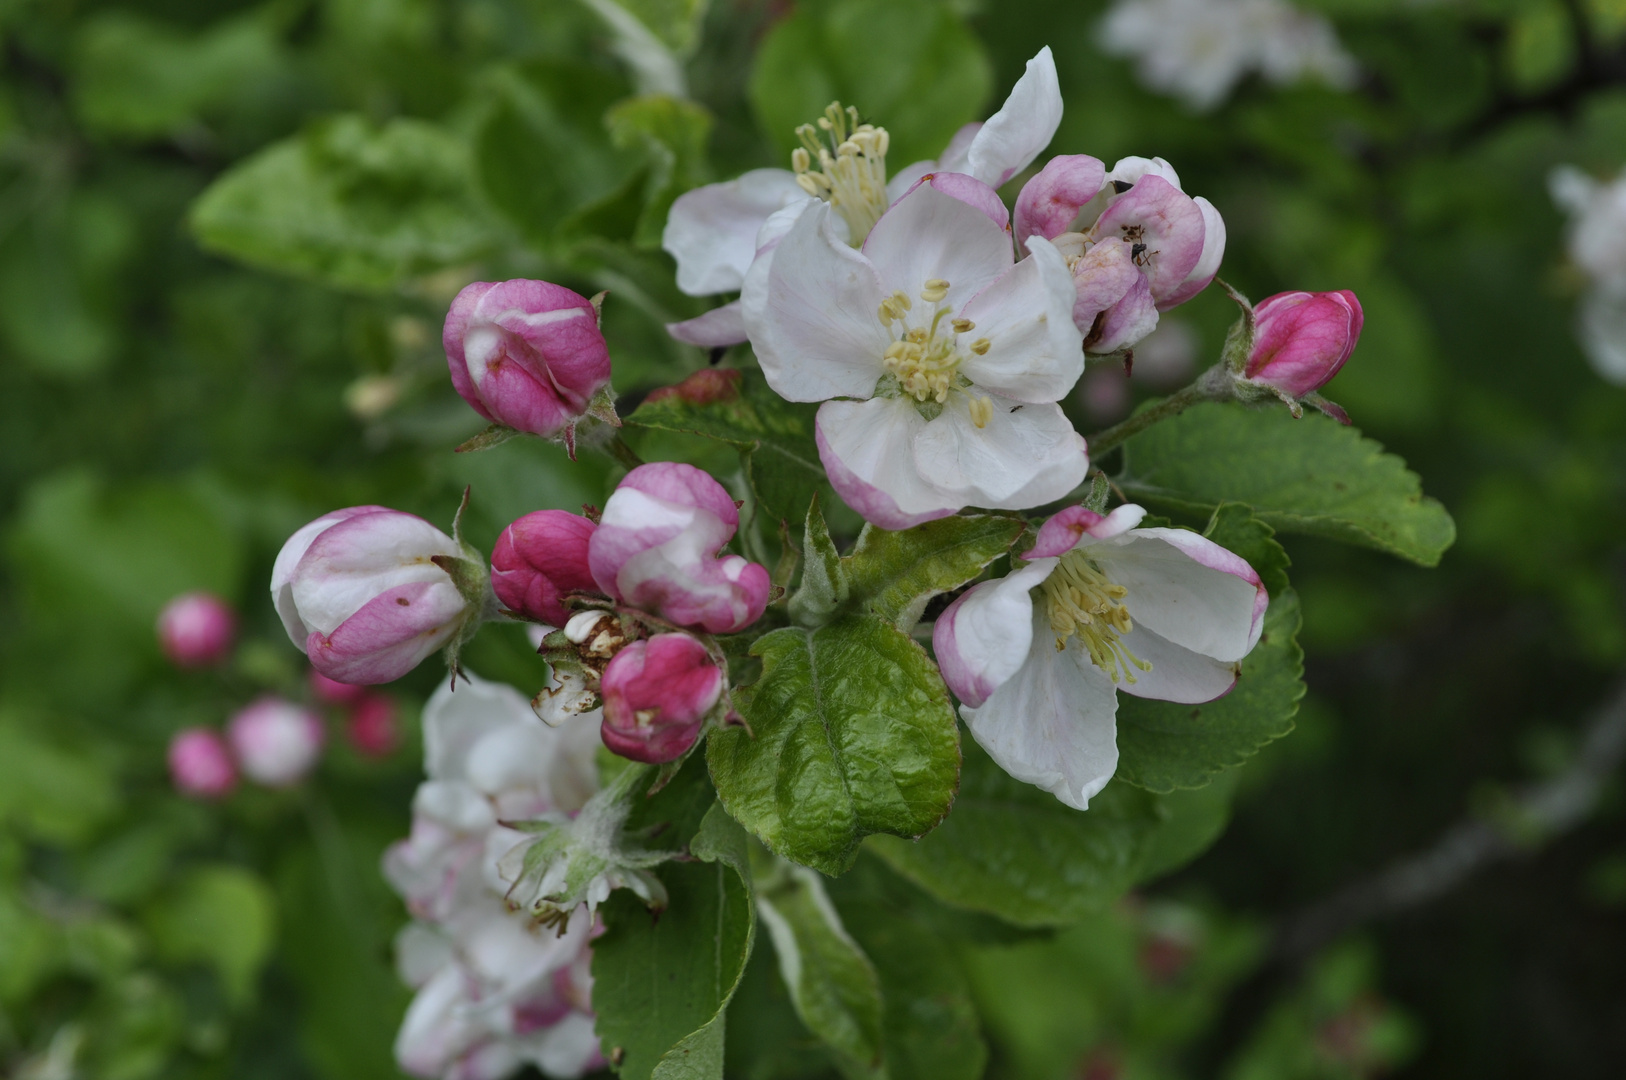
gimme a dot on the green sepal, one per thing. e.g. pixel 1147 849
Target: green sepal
pixel 493 435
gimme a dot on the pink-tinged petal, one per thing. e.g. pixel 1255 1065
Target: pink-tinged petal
pixel 1025 456
pixel 353 561
pixel 1301 340
pixel 538 560
pixel 331 692
pixel 904 180
pixel 712 231
pixel 1102 277
pixel 1208 266
pixel 934 233
pixel 1034 352
pixel 1187 589
pixel 956 156
pixel 200 765
pixel 1054 723
pixel 716 329
pixel 1129 170
pixel 1066 528
pixel 1126 323
pixel 984 636
pixel 1158 215
pixel 867 451
pixel 1178 674
pixel 656 697
pixel 390 634
pixel 972 192
pixel 809 305
pixel 1050 202
pixel 1022 127
pixel 275 742
pixel 196 629
pixel 282 571
pixel 683 485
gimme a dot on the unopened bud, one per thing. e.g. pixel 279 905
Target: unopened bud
pixel 538 560
pixel 1302 339
pixel 196 629
pixel 200 765
pixel 275 742
pixel 656 697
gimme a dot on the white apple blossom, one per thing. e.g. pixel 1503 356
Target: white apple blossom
pixel 1597 246
pixel 714 232
pixel 1037 658
pixel 939 357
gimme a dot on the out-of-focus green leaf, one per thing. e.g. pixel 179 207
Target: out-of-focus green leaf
pixel 223 916
pixel 851 734
pixel 48 791
pixel 672 134
pixel 894 574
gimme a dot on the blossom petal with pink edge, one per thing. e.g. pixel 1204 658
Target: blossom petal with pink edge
pixel 932 233
pixel 390 634
pixel 1202 275
pixel 1011 138
pixel 1024 456
pixel 538 560
pixel 1064 530
pixel 1126 323
pixel 1301 340
pixel 656 697
pixel 1164 219
pixel 360 557
pixel 1050 201
pixel 1187 589
pixel 282 571
pixel 716 329
pixel 1129 170
pixel 712 231
pixel 1026 316
pixel 984 636
pixel 867 448
pixel 1177 674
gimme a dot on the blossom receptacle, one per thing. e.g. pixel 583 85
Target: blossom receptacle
pixel 538 560
pixel 200 765
pixel 275 742
pixel 373 726
pixel 369 592
pixel 526 354
pixel 657 694
pixel 196 629
pixel 1301 340
pixel 656 547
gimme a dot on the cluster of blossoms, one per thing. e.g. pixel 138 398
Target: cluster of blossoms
pixel 1597 246
pixel 1198 50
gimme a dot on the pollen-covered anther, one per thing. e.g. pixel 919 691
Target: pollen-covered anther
pixel 981 346
pixel 935 290
pixel 963 326
pixel 982 411
pixel 846 167
pixel 1083 602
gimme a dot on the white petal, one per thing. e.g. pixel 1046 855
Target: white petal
pixel 956 156
pixel 1572 189
pixel 1203 608
pixel 1022 127
pixel 1208 264
pixel 982 639
pixel 455 720
pixel 1027 455
pixel 1035 351
pixel 712 230
pixel 928 234
pixel 717 328
pixel 867 448
pixel 1130 169
pixel 1054 723
pixel 809 304
pixel 1178 674
pixel 906 178
pixel 1602 326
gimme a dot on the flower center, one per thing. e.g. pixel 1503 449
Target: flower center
pixel 1083 602
pixel 924 358
pixel 850 172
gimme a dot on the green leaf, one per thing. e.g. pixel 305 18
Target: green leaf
pixel 223 916
pixel 1163 745
pixel 675 23
pixel 774 436
pixel 51 792
pixel 661 987
pixel 1309 476
pixel 824 578
pixel 1193 820
pixel 672 135
pixel 894 574
pixel 1016 851
pixel 910 66
pixel 852 734
pixel 832 984
pixel 349 203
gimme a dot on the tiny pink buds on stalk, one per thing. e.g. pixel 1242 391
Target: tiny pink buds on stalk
pixel 1295 343
pixel 657 694
pixel 200 765
pixel 276 742
pixel 196 629
pixel 528 355
pixel 538 560
pixel 368 593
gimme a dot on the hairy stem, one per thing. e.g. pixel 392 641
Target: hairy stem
pixel 1212 385
pixel 626 455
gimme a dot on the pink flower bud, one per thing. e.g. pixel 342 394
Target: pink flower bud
pixel 656 697
pixel 374 726
pixel 527 354
pixel 332 692
pixel 656 548
pixel 359 590
pixel 540 558
pixel 196 629
pixel 199 764
pixel 275 741
pixel 1301 340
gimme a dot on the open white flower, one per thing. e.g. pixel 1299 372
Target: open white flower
pixel 715 231
pixel 1597 246
pixel 1037 658
pixel 949 354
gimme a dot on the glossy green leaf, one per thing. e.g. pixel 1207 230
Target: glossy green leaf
pixel 350 203
pixel 894 574
pixel 1309 476
pixel 852 734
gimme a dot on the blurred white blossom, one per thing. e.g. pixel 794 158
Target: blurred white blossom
pixel 1597 246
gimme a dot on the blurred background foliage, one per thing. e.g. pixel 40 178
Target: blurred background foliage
pixel 228 233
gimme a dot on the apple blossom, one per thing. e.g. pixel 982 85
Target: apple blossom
pixel 947 356
pixel 1597 246
pixel 1100 605
pixel 200 765
pixel 196 629
pixel 714 232
pixel 1301 340
pixel 369 592
pixel 538 560
pixel 526 354
pixel 656 697
pixel 275 742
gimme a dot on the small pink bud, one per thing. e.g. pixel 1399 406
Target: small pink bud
pixel 374 726
pixel 332 692
pixel 200 765
pixel 196 629
pixel 275 742
pixel 527 354
pixel 540 558
pixel 656 697
pixel 1301 339
pixel 705 387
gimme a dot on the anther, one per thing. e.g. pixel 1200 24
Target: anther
pixel 982 411
pixel 800 160
pixel 963 326
pixel 935 290
pixel 981 346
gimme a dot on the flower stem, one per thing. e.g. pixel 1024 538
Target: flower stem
pixel 626 455
pixel 1212 385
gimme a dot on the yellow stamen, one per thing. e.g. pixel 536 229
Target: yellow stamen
pixel 982 411
pixel 846 168
pixel 1082 602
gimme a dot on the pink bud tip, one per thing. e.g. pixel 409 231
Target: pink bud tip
pixel 538 560
pixel 200 765
pixel 196 629
pixel 275 742
pixel 374 726
pixel 656 697
pixel 1302 339
pixel 332 692
pixel 705 387
pixel 524 353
